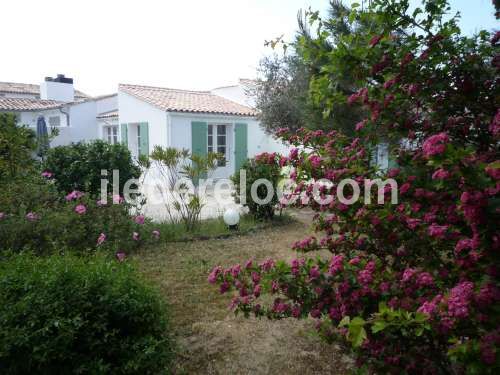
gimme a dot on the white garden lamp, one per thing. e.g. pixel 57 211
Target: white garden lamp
pixel 231 218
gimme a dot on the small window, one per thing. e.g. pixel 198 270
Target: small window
pixel 54 121
pixel 217 141
pixel 111 134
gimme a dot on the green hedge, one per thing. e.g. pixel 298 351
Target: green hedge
pixel 67 315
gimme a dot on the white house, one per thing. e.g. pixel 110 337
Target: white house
pixel 200 121
pixel 72 112
pixel 221 120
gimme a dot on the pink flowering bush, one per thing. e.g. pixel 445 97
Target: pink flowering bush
pixel 266 166
pixel 411 287
pixel 76 223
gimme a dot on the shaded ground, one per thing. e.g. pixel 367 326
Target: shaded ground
pixel 211 339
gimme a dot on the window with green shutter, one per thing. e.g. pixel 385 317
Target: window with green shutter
pixel 199 140
pixel 143 138
pixel 124 134
pixel 240 145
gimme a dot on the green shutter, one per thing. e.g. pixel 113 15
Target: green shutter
pixel 199 141
pixel 240 145
pixel 124 134
pixel 144 134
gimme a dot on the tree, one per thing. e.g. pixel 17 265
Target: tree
pixel 17 147
pixel 285 95
pixel 411 287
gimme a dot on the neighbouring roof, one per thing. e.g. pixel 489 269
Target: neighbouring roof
pixel 100 97
pixel 109 114
pixel 28 88
pixel 173 100
pixel 25 104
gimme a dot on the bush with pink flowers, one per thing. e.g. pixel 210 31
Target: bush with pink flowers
pixel 411 287
pixel 262 166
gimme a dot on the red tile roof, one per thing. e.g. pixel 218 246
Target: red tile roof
pixel 173 100
pixel 24 104
pixel 30 89
pixel 109 114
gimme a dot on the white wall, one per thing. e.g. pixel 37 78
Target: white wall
pixel 30 119
pixel 237 93
pixel 83 122
pixel 258 140
pixel 106 104
pixel 60 91
pixel 132 111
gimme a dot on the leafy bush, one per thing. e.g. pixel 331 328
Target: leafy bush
pixel 28 192
pixel 76 223
pixel 17 146
pixel 66 315
pixel 78 166
pixel 263 166
pixel 412 287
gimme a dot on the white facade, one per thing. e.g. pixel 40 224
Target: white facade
pixel 173 129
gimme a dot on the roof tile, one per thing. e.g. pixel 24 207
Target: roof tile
pixel 173 100
pixel 25 104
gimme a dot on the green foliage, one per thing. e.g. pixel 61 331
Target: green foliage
pixel 57 227
pixel 17 147
pixel 179 172
pixel 263 166
pixel 78 166
pixel 67 315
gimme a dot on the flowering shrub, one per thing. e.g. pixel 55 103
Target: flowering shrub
pixel 412 287
pixel 76 223
pixel 62 315
pixel 263 166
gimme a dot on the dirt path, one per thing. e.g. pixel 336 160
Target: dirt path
pixel 212 340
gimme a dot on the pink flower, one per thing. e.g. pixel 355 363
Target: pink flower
pixel 101 202
pixel 80 209
pixel 360 125
pixel 435 144
pixel 101 239
pixel 441 174
pixel 294 153
pixel 156 234
pixel 212 277
pixel 437 231
pixel 117 199
pixel 428 307
pixel 494 127
pixel 408 274
pixel 354 261
pixel 375 40
pixel 314 273
pixel 459 299
pixel 493 172
pixel 135 236
pixel 336 264
pixel 404 188
pixel 315 161
pixel 2 215
pixel 32 216
pixel 393 172
pixel 425 279
pixel 139 219
pixel 47 174
pixel 120 256
pixel 75 194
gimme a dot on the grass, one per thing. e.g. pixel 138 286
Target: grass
pixel 211 339
pixel 214 228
